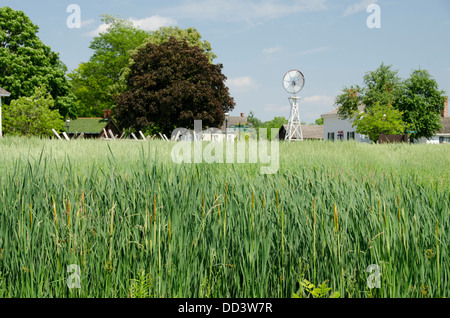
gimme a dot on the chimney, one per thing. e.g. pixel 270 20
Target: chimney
pixel 106 114
pixel 242 115
pixel 445 110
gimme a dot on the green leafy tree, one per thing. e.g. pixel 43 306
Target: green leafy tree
pixel 380 86
pixel 98 80
pixel 421 102
pixel 379 120
pixel 253 120
pixel 349 101
pixel 277 122
pixel 319 121
pixel 26 63
pixel 418 98
pixel 191 35
pixel 32 116
pixel 170 85
pixel 256 123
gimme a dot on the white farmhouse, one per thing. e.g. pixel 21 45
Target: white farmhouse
pixel 335 128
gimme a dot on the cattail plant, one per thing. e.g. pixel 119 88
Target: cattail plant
pixel 121 209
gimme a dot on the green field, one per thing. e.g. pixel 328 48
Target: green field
pixel 138 225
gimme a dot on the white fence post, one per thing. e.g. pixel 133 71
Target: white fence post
pixel 65 136
pixel 176 137
pixel 57 135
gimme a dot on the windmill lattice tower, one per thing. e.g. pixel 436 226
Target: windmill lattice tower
pixel 293 83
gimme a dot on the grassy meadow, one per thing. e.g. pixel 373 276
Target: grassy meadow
pixel 138 225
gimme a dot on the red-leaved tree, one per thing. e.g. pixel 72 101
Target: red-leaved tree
pixel 170 85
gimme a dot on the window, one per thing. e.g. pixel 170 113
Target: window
pixel 444 140
pixel 350 135
pixel 331 136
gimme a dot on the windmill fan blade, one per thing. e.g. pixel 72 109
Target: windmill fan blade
pixel 291 76
pixel 293 81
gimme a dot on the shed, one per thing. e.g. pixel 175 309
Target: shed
pixel 310 132
pixel 93 127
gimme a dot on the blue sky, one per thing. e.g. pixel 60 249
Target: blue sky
pixel 259 41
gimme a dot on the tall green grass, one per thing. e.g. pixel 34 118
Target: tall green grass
pixel 139 225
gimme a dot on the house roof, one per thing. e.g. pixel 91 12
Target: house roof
pixel 312 131
pixel 88 125
pixel 445 126
pixel 234 121
pixel 4 92
pixel 335 111
pixel 331 112
pixel 309 131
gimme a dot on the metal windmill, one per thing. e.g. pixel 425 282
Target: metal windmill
pixel 293 82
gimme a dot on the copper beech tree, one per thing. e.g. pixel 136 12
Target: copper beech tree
pixel 170 85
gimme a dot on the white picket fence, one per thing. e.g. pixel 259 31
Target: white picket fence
pixel 108 135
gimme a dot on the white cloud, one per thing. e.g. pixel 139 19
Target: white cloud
pixel 101 28
pixel 241 83
pixel 313 106
pixel 357 7
pixel 87 22
pixel 148 24
pixel 273 50
pixel 153 23
pixel 319 99
pixel 241 10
